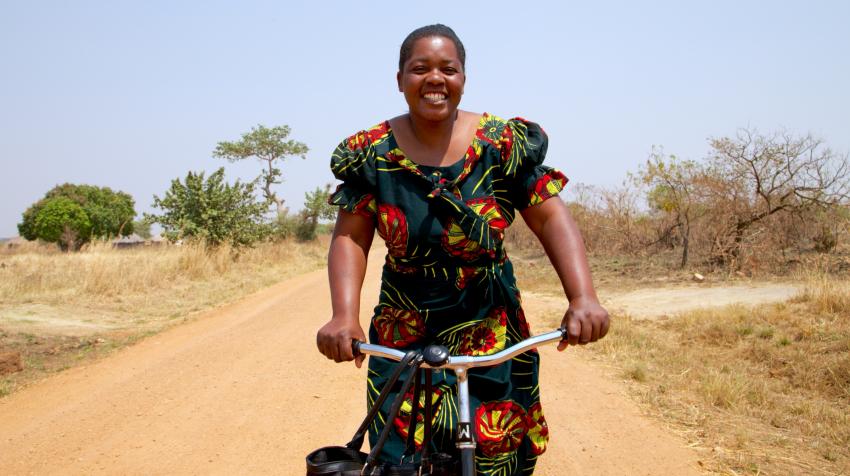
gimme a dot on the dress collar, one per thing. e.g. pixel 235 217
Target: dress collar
pixel 470 158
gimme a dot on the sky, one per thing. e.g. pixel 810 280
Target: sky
pixel 131 95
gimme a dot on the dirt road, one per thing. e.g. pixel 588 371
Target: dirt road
pixel 242 390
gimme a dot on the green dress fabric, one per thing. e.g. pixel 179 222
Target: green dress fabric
pixel 447 279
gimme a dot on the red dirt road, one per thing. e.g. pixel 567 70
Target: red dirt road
pixel 242 390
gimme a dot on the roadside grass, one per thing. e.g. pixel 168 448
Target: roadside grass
pixel 62 309
pixel 761 390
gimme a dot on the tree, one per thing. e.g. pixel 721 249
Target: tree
pixel 267 145
pixel 304 225
pixel 316 206
pixel 776 173
pixel 211 210
pixel 108 213
pixel 63 221
pixel 675 189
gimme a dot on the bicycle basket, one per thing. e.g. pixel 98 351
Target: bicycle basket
pixel 335 461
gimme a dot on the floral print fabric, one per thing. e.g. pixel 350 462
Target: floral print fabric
pixel 447 279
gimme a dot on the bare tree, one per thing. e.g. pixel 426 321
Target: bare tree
pixel 779 172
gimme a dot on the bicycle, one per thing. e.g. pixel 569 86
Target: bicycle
pixel 437 357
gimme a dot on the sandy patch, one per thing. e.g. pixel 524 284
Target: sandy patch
pixel 44 319
pixel 667 302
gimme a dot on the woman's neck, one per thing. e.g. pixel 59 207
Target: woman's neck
pixel 432 134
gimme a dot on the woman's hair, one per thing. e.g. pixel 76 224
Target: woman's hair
pixel 427 32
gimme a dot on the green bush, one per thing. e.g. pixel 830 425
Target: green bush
pixel 63 221
pixel 107 213
pixel 212 210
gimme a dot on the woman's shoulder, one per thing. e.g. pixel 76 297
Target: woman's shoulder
pixel 364 139
pixel 354 158
pixel 505 133
pixel 518 141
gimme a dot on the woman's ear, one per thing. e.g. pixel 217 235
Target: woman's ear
pixel 398 80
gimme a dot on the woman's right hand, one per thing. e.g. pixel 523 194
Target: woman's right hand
pixel 334 339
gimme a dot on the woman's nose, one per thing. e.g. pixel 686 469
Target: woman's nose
pixel 435 77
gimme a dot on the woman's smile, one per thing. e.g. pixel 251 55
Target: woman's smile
pixel 435 98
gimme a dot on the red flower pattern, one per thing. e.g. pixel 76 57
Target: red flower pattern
pixel 398 327
pixel 392 227
pixel 486 337
pixel 547 187
pixel 538 430
pixel 500 428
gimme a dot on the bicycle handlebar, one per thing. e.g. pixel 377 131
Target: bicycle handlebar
pixel 465 361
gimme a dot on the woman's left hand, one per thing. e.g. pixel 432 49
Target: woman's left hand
pixel 586 321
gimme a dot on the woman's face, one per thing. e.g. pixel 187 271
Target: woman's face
pixel 432 79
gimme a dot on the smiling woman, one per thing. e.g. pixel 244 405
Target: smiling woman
pixel 440 186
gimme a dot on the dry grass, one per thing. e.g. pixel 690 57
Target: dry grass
pixel 59 308
pixel 762 391
pixel 137 279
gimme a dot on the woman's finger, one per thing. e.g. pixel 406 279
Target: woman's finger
pixel 606 323
pixel 586 330
pixel 345 351
pixel 573 330
pixel 322 344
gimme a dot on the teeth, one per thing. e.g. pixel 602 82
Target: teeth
pixel 435 96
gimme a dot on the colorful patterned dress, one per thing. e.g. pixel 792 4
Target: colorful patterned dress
pixel 447 278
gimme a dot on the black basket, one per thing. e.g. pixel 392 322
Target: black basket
pixel 335 461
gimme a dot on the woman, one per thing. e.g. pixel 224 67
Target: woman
pixel 441 185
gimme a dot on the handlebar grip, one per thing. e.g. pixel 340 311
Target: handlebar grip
pixel 564 334
pixel 355 347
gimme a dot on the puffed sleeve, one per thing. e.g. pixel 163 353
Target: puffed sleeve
pixel 353 162
pixel 523 151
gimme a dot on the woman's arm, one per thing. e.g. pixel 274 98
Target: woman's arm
pixel 585 320
pixel 349 250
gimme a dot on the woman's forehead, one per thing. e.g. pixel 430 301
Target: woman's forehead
pixel 430 46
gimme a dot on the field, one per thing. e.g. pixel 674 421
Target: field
pixel 60 309
pixel 756 389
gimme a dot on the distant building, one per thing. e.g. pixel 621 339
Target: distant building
pixel 128 241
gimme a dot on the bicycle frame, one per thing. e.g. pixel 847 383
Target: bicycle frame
pixel 437 357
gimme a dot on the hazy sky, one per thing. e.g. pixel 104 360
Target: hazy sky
pixel 131 95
